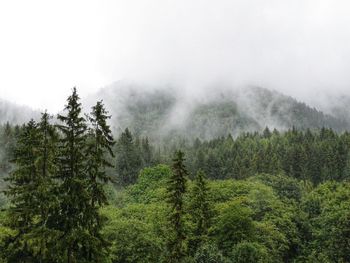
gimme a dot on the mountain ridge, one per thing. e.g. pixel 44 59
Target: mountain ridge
pixel 162 112
pixel 166 111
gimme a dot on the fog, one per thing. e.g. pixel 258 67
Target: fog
pixel 300 47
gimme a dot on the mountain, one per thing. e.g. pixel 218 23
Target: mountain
pixel 164 112
pixel 335 105
pixel 168 111
pixel 16 114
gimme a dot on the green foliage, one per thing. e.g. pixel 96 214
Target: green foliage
pixel 259 197
pixel 151 183
pixel 200 211
pixel 27 184
pixel 209 253
pixel 233 224
pixel 75 213
pixel 284 186
pixel 328 208
pixel 57 189
pixel 249 252
pixel 137 233
pixel 176 188
pixel 302 155
pixel 129 160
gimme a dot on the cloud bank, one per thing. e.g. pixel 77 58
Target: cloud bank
pixel 299 47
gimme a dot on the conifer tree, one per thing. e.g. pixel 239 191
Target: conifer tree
pixel 8 141
pixel 100 144
pixel 176 189
pixel 31 184
pixel 76 242
pixel 128 161
pixel 147 154
pixel 43 234
pixel 22 192
pixel 200 211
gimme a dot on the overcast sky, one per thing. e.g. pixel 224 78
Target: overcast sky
pixel 47 47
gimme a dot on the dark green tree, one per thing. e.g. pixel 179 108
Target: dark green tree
pixel 30 184
pixel 147 152
pixel 129 160
pixel 100 145
pixel 75 209
pixel 176 189
pixel 44 235
pixel 23 194
pixel 200 211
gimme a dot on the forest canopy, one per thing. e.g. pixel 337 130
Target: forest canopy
pixel 73 193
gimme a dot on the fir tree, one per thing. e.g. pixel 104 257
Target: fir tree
pixel 73 217
pixel 44 234
pixel 200 211
pixel 22 192
pixel 147 153
pixel 176 189
pixel 31 184
pixel 128 161
pixel 100 144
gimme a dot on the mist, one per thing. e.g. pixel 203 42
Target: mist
pixel 300 48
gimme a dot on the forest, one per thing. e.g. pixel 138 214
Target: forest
pixel 74 191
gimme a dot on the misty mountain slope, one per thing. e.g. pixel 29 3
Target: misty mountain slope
pixel 144 112
pixel 161 112
pixel 273 109
pixel 15 114
pixel 335 105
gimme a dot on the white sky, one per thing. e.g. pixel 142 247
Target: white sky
pixel 47 47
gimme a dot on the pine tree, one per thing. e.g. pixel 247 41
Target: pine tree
pixel 200 211
pixel 30 184
pixel 100 144
pixel 176 189
pixel 76 242
pixel 128 161
pixel 8 142
pixel 22 192
pixel 147 153
pixel 43 234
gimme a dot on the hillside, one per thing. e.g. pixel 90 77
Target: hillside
pixel 335 105
pixel 15 114
pixel 164 112
pixel 265 197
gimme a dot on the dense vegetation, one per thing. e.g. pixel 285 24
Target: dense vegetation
pixel 72 194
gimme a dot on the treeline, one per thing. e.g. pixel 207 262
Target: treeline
pixel 315 156
pixel 8 136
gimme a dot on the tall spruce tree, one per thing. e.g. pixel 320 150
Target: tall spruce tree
pixel 7 142
pixel 147 152
pixel 30 184
pixel 200 211
pixel 99 146
pixel 176 189
pixel 128 161
pixel 43 236
pixel 75 209
pixel 22 192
